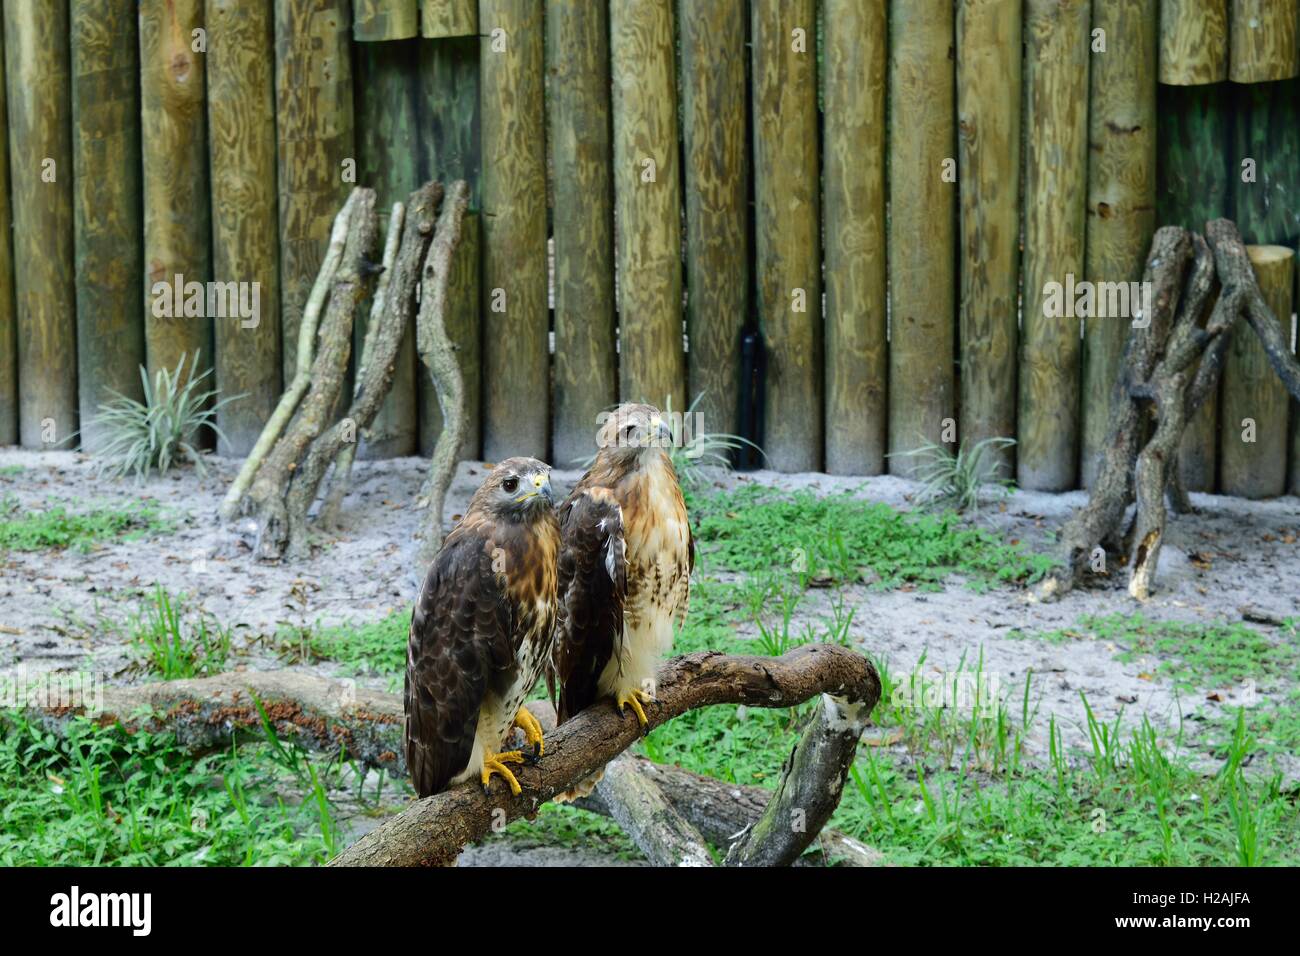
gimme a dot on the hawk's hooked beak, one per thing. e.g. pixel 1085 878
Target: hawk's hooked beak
pixel 663 433
pixel 542 487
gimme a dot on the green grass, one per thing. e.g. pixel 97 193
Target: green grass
pixel 55 527
pixel 103 796
pixel 954 785
pixel 367 647
pixel 1193 656
pixel 172 645
pixel 840 539
pixel 10 471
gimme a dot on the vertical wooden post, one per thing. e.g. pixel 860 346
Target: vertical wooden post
pixel 464 328
pixel 586 365
pixel 388 161
pixel 448 18
pixel 1263 35
pixel 1253 432
pixel 37 70
pixel 857 356
pixel 787 241
pixel 647 194
pixel 988 110
pixel 106 207
pixel 8 316
pixel 315 151
pixel 1266 162
pixel 1192 188
pixel 1121 197
pixel 922 229
pixel 241 134
pixel 177 228
pixel 516 407
pixel 1293 482
pixel 449 150
pixel 1193 41
pixel 384 20
pixel 717 196
pixel 1056 170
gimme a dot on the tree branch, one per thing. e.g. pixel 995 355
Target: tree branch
pixel 433 830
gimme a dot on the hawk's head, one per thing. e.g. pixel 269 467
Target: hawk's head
pixel 518 489
pixel 633 432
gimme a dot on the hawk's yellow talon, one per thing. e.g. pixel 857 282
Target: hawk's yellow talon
pixel 496 763
pixel 532 729
pixel 634 699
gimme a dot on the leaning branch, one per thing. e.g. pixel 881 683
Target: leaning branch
pixel 433 830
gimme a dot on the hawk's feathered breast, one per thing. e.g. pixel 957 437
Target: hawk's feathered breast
pixel 480 638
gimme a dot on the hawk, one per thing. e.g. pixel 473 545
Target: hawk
pixel 625 567
pixel 481 633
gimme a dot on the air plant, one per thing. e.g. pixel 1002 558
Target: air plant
pixel 158 433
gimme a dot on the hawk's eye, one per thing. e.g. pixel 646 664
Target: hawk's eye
pixel 511 485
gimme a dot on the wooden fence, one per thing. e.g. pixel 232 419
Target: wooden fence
pixel 838 225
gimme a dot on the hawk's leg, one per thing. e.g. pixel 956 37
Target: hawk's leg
pixel 634 698
pixel 526 722
pixel 496 763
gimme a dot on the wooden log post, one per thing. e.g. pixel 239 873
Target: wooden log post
pixel 1056 149
pixel 106 207
pixel 1193 41
pixel 922 230
pixel 314 136
pixel 988 108
pixel 717 189
pixel 388 161
pixel 786 228
pixel 1265 164
pixel 8 315
pixel 374 20
pixel 586 363
pixel 516 366
pixel 853 204
pixel 1263 40
pixel 174 146
pixel 245 224
pixel 37 71
pixel 449 18
pixel 647 196
pixel 449 150
pixel 1121 198
pixel 1193 186
pixel 1293 481
pixel 1253 432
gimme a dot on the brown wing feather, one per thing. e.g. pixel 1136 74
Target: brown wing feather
pixel 592 586
pixel 460 636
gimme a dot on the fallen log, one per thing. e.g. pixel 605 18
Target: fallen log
pixel 668 812
pixel 433 830
pixel 208 713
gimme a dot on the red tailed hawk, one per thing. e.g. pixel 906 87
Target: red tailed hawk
pixel 481 632
pixel 625 566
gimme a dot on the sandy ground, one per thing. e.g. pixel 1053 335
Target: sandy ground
pixel 67 610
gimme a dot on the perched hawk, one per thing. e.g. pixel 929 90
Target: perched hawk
pixel 481 632
pixel 625 566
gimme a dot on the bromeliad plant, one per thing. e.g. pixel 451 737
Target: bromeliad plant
pixel 159 432
pixel 958 481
